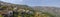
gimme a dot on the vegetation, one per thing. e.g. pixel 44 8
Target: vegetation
pixel 23 11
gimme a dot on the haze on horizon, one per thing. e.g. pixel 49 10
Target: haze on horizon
pixel 52 3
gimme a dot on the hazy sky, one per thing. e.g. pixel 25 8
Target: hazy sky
pixel 54 3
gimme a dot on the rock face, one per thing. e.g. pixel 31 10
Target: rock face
pixel 52 10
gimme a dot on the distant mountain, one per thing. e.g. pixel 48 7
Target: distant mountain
pixel 52 10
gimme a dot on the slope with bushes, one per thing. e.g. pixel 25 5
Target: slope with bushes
pixel 17 10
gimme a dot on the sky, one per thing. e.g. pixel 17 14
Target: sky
pixel 52 3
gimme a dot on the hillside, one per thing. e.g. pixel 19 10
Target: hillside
pixel 18 10
pixel 52 10
pixel 8 5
